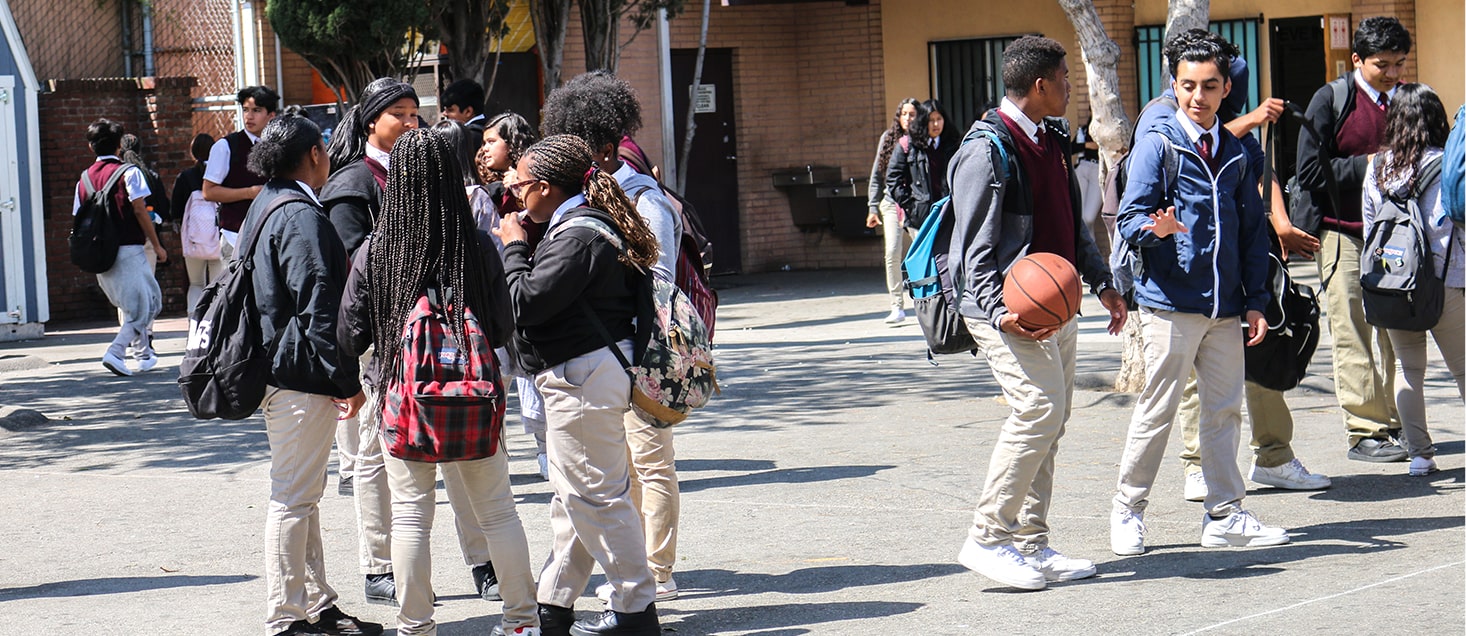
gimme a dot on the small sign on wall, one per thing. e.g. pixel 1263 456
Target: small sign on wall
pixel 1339 38
pixel 705 99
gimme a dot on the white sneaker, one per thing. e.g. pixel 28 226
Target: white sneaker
pixel 1002 564
pixel 147 364
pixel 518 631
pixel 1421 466
pixel 665 591
pixel 544 462
pixel 1289 476
pixel 115 364
pixel 1127 531
pixel 1239 529
pixel 1195 486
pixel 1059 568
pixel 896 317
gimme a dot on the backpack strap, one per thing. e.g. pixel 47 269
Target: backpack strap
pixel 1427 175
pixel 86 180
pixel 997 145
pixel 249 242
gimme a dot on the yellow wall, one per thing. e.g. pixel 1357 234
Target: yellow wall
pixel 1439 54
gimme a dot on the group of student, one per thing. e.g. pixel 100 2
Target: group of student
pixel 1198 223
pixel 342 241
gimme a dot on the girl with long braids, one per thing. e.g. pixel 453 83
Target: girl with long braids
pixel 586 271
pixel 425 239
pixel 884 212
pixel 1416 128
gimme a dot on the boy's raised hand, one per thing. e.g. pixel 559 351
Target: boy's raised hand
pixel 1164 223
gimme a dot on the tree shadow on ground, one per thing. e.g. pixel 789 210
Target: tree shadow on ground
pixel 117 585
pixel 788 619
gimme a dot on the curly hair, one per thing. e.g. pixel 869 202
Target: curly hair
pixel 893 134
pixel 596 106
pixel 1199 46
pixel 1027 59
pixel 1380 33
pixel 1415 122
pixel 283 145
pixel 564 161
pixel 516 132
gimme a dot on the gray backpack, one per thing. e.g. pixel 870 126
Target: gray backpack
pixel 1397 267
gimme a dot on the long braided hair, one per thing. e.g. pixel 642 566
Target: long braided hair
pixel 893 135
pixel 565 161
pixel 425 238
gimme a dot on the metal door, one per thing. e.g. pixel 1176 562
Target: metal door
pixel 712 165
pixel 12 252
pixel 1297 71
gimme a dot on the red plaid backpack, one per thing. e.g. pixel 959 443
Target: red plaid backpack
pixel 447 402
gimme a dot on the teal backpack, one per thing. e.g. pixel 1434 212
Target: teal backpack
pixel 1453 170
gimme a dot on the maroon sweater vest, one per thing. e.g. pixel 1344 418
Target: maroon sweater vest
pixel 1048 182
pixel 231 215
pixel 128 231
pixel 1360 134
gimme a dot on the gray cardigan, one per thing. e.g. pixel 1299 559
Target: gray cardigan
pixel 877 185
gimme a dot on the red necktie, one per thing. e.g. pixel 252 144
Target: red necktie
pixel 1384 101
pixel 1203 146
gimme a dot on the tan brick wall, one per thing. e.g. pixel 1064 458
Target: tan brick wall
pixel 1402 10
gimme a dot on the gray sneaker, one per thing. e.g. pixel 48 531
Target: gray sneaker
pixel 1379 451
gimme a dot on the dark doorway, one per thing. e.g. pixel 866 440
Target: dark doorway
pixel 516 88
pixel 712 164
pixel 1298 70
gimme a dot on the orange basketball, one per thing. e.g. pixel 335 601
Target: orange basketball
pixel 1042 289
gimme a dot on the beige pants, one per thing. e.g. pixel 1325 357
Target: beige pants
pixel 200 274
pixel 592 516
pixel 482 486
pixel 1175 344
pixel 1450 338
pixel 895 242
pixel 654 491
pixel 1037 378
pixel 372 496
pixel 1364 377
pixel 298 426
pixel 1272 426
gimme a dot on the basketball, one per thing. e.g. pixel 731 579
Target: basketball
pixel 1042 289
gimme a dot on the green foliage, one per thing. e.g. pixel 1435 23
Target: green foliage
pixel 351 42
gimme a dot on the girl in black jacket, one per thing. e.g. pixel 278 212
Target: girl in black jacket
pixel 360 154
pixel 916 176
pixel 579 291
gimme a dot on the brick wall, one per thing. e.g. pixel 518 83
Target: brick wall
pixel 1402 10
pixel 158 112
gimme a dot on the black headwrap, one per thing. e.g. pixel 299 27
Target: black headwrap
pixel 348 145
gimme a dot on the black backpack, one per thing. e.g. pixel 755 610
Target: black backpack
pixel 226 363
pixel 1397 265
pixel 94 228
pixel 157 201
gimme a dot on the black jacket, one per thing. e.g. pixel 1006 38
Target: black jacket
pixel 352 199
pixel 299 274
pixel 354 329
pixel 909 177
pixel 546 287
pixel 1349 172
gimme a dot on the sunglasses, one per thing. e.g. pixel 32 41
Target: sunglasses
pixel 517 187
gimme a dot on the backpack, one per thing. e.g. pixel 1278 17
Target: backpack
pixel 928 276
pixel 447 401
pixel 200 231
pixel 691 267
pixel 93 237
pixel 1126 265
pixel 1281 360
pixel 226 361
pixel 1397 267
pixel 673 371
pixel 1453 171
pixel 157 199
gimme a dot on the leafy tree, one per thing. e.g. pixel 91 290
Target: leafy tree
pixel 352 42
pixel 600 22
pixel 466 28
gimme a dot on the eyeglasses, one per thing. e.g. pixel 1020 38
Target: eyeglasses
pixel 515 188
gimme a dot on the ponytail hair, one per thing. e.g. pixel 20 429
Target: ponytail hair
pixel 564 161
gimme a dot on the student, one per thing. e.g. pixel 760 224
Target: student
pixel 353 198
pixel 227 179
pixel 190 182
pixel 1204 245
pixel 916 176
pixel 1415 134
pixel 1008 202
pixel 578 274
pixel 129 284
pixel 1363 379
pixel 463 102
pixel 425 239
pixel 883 209
pixel 299 273
pixel 602 110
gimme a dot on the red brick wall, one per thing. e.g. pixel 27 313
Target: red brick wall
pixel 158 112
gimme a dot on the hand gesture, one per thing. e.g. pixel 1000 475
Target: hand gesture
pixel 1164 223
pixel 1115 304
pixel 509 229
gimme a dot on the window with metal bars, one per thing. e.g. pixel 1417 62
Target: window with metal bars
pixel 1150 63
pixel 967 77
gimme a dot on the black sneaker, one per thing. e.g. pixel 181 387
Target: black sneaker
pixel 555 620
pixel 1377 451
pixel 344 487
pixel 298 628
pixel 381 589
pixel 336 622
pixel 485 582
pixel 643 623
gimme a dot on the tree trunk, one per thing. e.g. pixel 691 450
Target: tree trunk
pixel 702 47
pixel 550 17
pixel 1182 15
pixel 599 22
pixel 461 29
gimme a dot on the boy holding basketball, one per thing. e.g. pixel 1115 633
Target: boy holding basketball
pixel 1204 246
pixel 1014 194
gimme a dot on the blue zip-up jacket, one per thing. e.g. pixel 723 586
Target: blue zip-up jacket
pixel 1219 268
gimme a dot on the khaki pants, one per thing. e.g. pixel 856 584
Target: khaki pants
pixel 1450 338
pixel 200 274
pixel 298 426
pixel 1174 345
pixel 481 486
pixel 1364 377
pixel 1037 378
pixel 372 496
pixel 895 242
pixel 654 491
pixel 592 516
pixel 1272 426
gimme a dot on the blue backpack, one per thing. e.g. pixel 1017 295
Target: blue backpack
pixel 1453 170
pixel 928 279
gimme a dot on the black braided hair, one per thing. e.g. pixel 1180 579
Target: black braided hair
pixel 564 161
pixel 424 238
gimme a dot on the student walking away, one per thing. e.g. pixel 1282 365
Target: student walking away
pixel 601 109
pixel 129 283
pixel 227 178
pixel 353 199
pixel 996 223
pixel 1416 129
pixel 587 269
pixel 198 222
pixel 300 272
pixel 885 213
pixel 916 176
pixel 1349 113
pixel 463 102
pixel 157 202
pixel 1204 246
pixel 425 247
